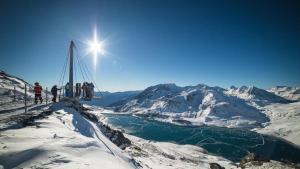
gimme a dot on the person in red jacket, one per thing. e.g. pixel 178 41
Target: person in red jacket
pixel 38 93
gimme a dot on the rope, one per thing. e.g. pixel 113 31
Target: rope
pixel 80 67
pixel 63 70
pixel 83 68
pixel 92 78
pixel 64 74
pixel 75 72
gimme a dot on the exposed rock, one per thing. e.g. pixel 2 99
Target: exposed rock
pixel 215 166
pixel 116 137
pixel 24 119
pixel 168 156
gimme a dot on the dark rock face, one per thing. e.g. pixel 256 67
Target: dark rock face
pixel 215 166
pixel 116 137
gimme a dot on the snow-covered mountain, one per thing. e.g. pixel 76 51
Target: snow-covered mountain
pixel 106 98
pixel 225 107
pixel 7 84
pixel 291 93
pixel 257 95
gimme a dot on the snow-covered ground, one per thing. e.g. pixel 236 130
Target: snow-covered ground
pixel 64 139
pixel 268 165
pixel 164 155
pixel 284 121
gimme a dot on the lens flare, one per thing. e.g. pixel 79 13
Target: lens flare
pixel 96 47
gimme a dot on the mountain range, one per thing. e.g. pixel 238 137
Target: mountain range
pixel 202 104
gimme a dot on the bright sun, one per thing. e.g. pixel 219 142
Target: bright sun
pixel 96 47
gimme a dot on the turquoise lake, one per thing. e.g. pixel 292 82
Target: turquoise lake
pixel 232 144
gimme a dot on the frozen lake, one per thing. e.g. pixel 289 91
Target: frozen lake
pixel 232 144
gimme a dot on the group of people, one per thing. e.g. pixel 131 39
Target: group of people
pixel 38 93
pixel 87 91
pixel 86 88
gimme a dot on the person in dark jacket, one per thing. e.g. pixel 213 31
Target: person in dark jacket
pixel 54 90
pixel 67 88
pixel 84 90
pixel 91 90
pixel 38 93
pixel 77 90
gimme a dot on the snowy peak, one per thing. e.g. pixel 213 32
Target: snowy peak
pixel 255 94
pixel 207 104
pixel 9 80
pixel 7 85
pixel 107 98
pixel 290 93
pixel 157 91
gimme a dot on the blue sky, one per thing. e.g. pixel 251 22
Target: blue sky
pixel 219 43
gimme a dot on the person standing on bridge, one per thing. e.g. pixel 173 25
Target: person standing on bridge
pixel 84 89
pixel 38 93
pixel 54 90
pixel 67 89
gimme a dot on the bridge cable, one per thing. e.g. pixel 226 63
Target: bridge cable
pixel 93 80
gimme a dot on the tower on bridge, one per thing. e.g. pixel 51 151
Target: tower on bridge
pixel 71 64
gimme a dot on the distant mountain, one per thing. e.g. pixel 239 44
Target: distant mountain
pixel 257 95
pixel 226 107
pixel 107 98
pixel 291 93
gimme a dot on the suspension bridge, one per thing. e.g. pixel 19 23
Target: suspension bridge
pixel 76 66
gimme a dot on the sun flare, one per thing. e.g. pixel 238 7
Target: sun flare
pixel 96 47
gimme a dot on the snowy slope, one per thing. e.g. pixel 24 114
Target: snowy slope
pixel 291 93
pixel 201 103
pixel 7 84
pixel 64 139
pixel 284 121
pixel 256 95
pixel 164 155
